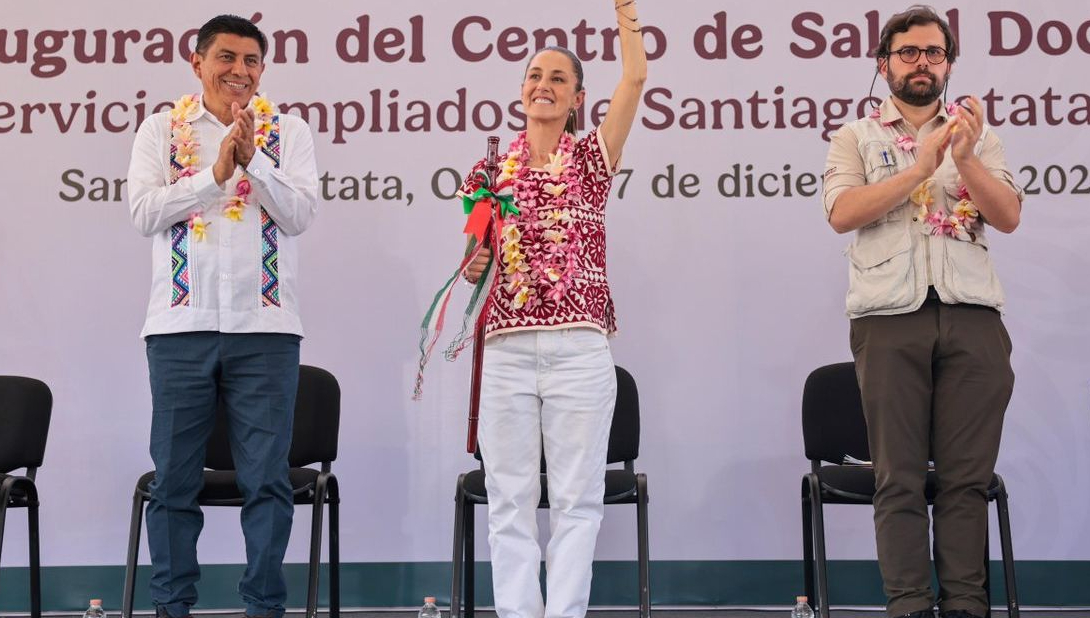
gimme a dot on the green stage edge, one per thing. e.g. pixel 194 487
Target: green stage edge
pixel 673 583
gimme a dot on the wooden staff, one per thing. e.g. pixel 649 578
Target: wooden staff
pixel 491 168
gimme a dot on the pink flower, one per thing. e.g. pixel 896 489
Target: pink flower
pixel 942 224
pixel 243 187
pixel 516 281
pixel 906 143
pixel 876 113
pixel 556 293
pixel 963 192
pixel 951 109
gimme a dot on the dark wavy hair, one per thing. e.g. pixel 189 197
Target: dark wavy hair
pixel 230 24
pixel 915 15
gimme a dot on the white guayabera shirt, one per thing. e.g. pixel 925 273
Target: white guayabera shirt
pixel 242 276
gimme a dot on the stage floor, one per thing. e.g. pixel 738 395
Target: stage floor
pixel 667 612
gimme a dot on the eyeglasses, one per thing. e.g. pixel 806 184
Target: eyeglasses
pixel 934 55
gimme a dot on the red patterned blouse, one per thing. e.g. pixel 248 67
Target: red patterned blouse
pixel 586 302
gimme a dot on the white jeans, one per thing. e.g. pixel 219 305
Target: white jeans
pixel 554 389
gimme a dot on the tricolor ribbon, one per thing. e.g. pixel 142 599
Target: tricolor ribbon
pixel 484 206
pixel 479 205
pixel 505 198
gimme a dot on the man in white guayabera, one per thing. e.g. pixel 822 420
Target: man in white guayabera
pixel 222 184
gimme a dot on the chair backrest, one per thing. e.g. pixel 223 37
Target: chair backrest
pixel 25 407
pixel 832 415
pixel 624 432
pixel 315 426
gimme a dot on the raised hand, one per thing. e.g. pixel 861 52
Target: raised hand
pixel 244 134
pixel 932 150
pixel 969 124
pixel 224 167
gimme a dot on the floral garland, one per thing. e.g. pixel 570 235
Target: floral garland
pixel 184 143
pixel 554 262
pixel 964 222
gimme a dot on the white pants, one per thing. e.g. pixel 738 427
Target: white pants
pixel 554 389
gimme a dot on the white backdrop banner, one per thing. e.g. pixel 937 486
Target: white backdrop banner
pixel 728 282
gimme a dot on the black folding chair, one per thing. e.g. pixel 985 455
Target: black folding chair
pixel 833 427
pixel 623 486
pixel 314 441
pixel 25 407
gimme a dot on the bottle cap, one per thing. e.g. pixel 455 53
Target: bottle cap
pixel 800 599
pixel 96 602
pixel 429 599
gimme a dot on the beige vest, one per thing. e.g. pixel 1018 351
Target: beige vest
pixel 894 259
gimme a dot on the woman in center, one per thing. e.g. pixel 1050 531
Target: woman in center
pixel 548 380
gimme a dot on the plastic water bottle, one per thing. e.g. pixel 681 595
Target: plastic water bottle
pixel 802 609
pixel 95 610
pixel 431 611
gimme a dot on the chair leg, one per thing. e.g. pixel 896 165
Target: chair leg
pixel 1007 548
pixel 819 547
pixel 136 520
pixel 807 542
pixel 987 572
pixel 35 555
pixel 317 509
pixel 456 554
pixel 470 561
pixel 642 545
pixel 5 494
pixel 333 498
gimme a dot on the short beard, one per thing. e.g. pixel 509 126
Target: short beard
pixel 905 91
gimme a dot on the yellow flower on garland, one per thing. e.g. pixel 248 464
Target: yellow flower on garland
pixel 511 233
pixel 184 107
pixel 966 209
pixel 509 168
pixel 187 160
pixel 233 209
pixel 199 227
pixel 922 197
pixel 263 106
pixel 521 298
pixel 187 149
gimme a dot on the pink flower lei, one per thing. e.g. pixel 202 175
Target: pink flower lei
pixel 961 224
pixel 547 229
pixel 184 143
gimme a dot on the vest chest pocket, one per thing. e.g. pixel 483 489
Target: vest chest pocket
pixel 880 160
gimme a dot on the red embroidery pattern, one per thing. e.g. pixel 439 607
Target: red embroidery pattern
pixel 588 302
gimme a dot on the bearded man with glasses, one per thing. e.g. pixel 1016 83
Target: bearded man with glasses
pixel 918 182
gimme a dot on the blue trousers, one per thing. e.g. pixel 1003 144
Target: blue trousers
pixel 257 376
